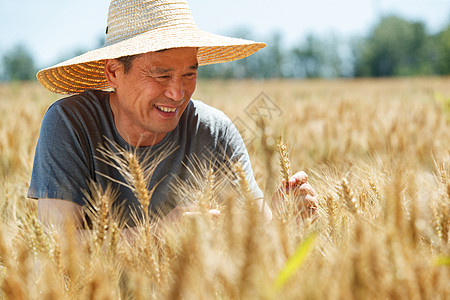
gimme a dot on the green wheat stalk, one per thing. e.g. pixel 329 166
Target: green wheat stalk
pixel 294 262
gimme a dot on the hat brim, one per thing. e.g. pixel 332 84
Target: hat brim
pixel 87 70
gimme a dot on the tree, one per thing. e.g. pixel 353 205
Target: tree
pixel 443 56
pixel 308 58
pixel 18 64
pixel 268 63
pixel 395 47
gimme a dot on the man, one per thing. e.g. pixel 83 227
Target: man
pixel 150 59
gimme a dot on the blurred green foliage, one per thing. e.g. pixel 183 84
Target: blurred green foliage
pixel 17 64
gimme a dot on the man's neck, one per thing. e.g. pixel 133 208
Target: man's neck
pixel 129 132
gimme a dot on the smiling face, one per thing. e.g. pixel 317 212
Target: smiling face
pixel 150 98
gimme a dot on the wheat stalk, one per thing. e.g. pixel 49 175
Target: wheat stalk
pixel 251 247
pixel 331 212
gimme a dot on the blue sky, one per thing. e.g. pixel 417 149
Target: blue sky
pixel 53 29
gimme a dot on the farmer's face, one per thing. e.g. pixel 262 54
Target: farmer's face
pixel 150 99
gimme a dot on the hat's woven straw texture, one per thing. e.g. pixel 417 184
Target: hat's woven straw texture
pixel 141 26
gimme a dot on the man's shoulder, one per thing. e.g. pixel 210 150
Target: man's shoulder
pixel 207 113
pixel 89 107
pixel 208 122
pixel 84 100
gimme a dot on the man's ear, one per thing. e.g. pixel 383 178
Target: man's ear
pixel 112 69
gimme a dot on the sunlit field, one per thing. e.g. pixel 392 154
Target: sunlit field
pixel 377 153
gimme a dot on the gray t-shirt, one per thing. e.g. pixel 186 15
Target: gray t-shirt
pixel 73 130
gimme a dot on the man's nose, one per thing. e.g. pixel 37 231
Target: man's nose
pixel 175 89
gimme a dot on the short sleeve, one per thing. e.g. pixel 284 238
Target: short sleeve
pixel 61 164
pixel 237 152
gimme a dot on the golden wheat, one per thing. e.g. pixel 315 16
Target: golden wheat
pixel 378 147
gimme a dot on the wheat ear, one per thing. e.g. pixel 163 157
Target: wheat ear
pixel 348 197
pixel 138 182
pixel 285 163
pixel 136 169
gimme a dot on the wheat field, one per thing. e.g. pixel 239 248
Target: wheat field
pixel 377 153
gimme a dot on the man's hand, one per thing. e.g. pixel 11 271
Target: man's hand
pixel 300 192
pixel 179 212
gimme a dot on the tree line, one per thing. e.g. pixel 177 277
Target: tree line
pixel 393 47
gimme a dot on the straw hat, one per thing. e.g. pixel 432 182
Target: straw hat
pixel 140 26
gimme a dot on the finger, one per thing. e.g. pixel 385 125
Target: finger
pixel 304 189
pixel 312 202
pixel 309 206
pixel 214 212
pixel 298 178
pixel 191 213
pixel 307 202
pixel 309 213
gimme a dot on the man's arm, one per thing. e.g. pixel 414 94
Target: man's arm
pixel 57 212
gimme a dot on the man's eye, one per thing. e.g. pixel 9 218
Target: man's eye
pixel 190 74
pixel 164 77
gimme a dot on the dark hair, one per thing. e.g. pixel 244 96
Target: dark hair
pixel 127 61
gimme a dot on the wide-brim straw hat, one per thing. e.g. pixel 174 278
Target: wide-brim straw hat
pixel 141 26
